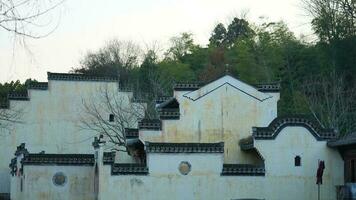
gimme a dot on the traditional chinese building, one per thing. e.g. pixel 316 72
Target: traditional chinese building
pixel 221 140
pixel 50 115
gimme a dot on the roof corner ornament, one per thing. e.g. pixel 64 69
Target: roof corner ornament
pixel 21 149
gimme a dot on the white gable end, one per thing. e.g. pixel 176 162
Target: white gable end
pixel 231 81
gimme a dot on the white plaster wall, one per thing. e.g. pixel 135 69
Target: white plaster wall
pixel 282 181
pixel 51 122
pixel 226 114
pixel 201 164
pixel 300 182
pixel 38 184
pixel 165 182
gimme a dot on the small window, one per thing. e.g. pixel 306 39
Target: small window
pixel 59 179
pixel 111 117
pixel 184 168
pixel 297 161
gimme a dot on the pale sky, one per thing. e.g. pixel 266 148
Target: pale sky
pixel 87 24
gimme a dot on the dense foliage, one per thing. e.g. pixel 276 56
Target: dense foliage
pixel 317 78
pixel 13 86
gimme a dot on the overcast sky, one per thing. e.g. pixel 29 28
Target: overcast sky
pixel 86 25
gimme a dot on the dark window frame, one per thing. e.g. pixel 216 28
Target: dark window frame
pixel 111 117
pixel 297 161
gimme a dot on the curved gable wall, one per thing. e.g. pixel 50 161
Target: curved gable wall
pixel 279 155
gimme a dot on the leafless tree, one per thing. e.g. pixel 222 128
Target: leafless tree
pixel 23 17
pixel 115 58
pixel 124 114
pixel 331 102
pixel 332 19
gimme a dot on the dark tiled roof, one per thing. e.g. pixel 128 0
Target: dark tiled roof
pixel 242 170
pixel 169 103
pixel 152 147
pixel 162 99
pixel 169 109
pixel 38 86
pixel 79 77
pixel 246 143
pixel 262 87
pixel 186 86
pixel 273 129
pixel 19 96
pixel 168 113
pixel 268 87
pixel 131 133
pixel 129 168
pixel 346 140
pixel 108 158
pixel 150 124
pixel 58 159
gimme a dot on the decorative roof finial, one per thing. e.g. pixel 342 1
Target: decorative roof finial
pixel 227 69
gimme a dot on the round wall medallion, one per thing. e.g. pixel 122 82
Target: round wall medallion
pixel 59 179
pixel 184 167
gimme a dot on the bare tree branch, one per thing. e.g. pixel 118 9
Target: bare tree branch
pixel 21 17
pixel 331 102
pixel 119 104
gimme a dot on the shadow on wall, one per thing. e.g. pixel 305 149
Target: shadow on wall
pixel 4 196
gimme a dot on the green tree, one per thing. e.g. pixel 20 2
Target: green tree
pixel 180 46
pixel 13 115
pixel 238 28
pixel 218 36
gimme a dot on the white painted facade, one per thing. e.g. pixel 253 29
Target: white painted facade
pixel 283 180
pixel 51 120
pixel 225 110
pixel 38 183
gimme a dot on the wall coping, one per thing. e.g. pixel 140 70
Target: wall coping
pixel 152 147
pixel 186 86
pixel 38 86
pixel 268 87
pixel 150 124
pixel 242 170
pixel 79 77
pixel 131 133
pixel 18 96
pixel 58 159
pixel 278 124
pixel 129 169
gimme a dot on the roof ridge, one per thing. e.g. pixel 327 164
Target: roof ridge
pixel 80 77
